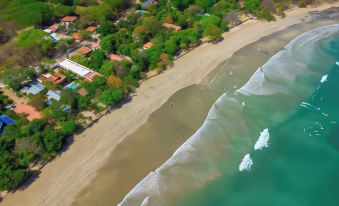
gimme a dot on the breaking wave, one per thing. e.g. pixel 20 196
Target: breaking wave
pixel 223 144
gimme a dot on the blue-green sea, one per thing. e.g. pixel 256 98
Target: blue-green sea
pixel 273 142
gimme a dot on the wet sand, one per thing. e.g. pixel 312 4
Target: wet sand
pixel 64 177
pixel 169 127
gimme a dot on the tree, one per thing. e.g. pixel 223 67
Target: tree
pixel 108 43
pixel 38 101
pixel 113 95
pixel 96 59
pixel 212 32
pixel 85 35
pixel 114 81
pixel 105 29
pixel 34 38
pixel 107 68
pixel 205 3
pixel 68 127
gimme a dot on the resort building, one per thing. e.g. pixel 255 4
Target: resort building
pixel 76 36
pixel 79 69
pixel 172 26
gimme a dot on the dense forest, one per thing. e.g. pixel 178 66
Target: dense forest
pixel 124 29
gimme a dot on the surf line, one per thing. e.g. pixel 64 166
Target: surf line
pixel 261 143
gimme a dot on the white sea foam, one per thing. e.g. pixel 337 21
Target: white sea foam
pixel 323 79
pixel 246 163
pixel 262 140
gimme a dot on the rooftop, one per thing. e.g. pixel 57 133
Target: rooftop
pixel 53 28
pixel 91 29
pixel 76 35
pixel 82 92
pixel 148 45
pixel 33 88
pixel 172 26
pixel 69 19
pixel 75 67
pixel 7 120
pixel 115 57
pixel 83 51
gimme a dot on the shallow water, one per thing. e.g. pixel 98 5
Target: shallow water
pixel 168 128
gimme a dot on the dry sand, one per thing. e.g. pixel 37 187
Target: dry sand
pixel 64 177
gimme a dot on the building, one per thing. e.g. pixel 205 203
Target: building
pixel 91 29
pixel 53 95
pixel 148 45
pixel 4 121
pixel 76 36
pixel 79 69
pixel 83 51
pixel 33 88
pixel 82 92
pixel 55 79
pixel 74 67
pixel 172 26
pixel 52 29
pixel 67 20
pixel 118 58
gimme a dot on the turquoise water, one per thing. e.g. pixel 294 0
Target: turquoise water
pixel 284 119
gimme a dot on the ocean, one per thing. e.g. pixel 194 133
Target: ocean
pixel 274 141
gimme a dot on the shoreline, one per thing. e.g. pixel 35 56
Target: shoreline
pixel 64 177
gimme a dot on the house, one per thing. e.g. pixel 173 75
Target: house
pixel 118 58
pixel 4 121
pixel 148 45
pixel 83 51
pixel 67 20
pixel 82 92
pixel 52 29
pixel 55 79
pixel 91 29
pixel 33 88
pixel 76 36
pixel 30 111
pixel 74 67
pixel 53 95
pixel 172 26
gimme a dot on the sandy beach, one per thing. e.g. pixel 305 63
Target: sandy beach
pixel 61 179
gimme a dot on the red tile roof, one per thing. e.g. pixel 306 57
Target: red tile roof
pixel 91 29
pixel 56 79
pixel 82 92
pixel 76 36
pixel 69 18
pixel 115 57
pixel 83 51
pixel 89 77
pixel 172 26
pixel 53 28
pixel 148 45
